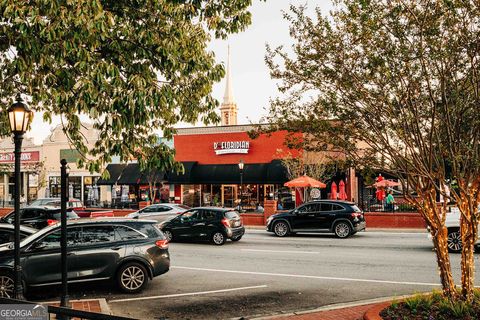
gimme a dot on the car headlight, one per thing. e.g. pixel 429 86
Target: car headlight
pixel 269 219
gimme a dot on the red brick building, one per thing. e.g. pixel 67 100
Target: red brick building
pixel 211 157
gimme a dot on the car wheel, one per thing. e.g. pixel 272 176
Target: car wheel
pixel 454 240
pixel 218 238
pixel 342 229
pixel 132 277
pixel 237 238
pixel 281 229
pixel 6 285
pixel 168 235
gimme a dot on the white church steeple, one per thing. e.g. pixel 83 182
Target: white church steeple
pixel 228 108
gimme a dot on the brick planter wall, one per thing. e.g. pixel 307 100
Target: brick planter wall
pixel 252 219
pixel 394 220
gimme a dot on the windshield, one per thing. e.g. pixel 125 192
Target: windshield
pixel 182 206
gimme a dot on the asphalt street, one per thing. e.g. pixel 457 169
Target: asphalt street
pixel 264 275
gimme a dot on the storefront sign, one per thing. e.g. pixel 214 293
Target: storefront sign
pixel 228 147
pixel 9 157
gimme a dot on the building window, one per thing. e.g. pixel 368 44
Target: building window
pixel 54 187
pixel 91 192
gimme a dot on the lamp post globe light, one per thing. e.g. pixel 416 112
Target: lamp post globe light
pixel 240 166
pixel 19 116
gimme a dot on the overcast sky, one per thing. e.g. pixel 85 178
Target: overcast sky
pixel 252 86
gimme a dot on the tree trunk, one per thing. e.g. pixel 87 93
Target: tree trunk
pixel 468 231
pixel 443 262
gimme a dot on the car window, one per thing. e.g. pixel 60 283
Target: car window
pixel 190 215
pixel 308 208
pixel 97 234
pixel 337 207
pixel 125 233
pixel 209 215
pixel 326 207
pixel 355 208
pixel 164 208
pixel 30 213
pixel 57 215
pixel 148 229
pixel 150 209
pixel 52 240
pixel 232 215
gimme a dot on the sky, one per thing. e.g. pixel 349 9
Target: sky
pixel 251 82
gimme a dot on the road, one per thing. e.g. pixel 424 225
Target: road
pixel 263 275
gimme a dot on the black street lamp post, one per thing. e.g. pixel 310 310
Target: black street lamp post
pixel 240 166
pixel 64 171
pixel 19 117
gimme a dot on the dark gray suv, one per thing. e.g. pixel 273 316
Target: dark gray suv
pixel 131 252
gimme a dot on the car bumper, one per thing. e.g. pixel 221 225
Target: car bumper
pixel 235 232
pixel 360 226
pixel 161 263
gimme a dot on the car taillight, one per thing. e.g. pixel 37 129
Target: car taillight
pixel 356 214
pixel 51 221
pixel 162 244
pixel 226 222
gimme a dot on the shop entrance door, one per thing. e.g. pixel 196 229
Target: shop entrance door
pixel 229 195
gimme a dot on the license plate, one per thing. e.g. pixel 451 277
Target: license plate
pixel 236 224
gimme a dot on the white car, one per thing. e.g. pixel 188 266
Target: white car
pixel 159 212
pixel 452 222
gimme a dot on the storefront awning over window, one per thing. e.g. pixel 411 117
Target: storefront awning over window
pixel 115 170
pixel 186 177
pixel 132 175
pixel 276 173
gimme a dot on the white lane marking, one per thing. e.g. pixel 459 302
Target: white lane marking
pixel 279 251
pixel 188 294
pixel 290 239
pixel 310 277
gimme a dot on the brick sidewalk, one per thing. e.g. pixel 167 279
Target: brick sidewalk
pixel 349 313
pixel 95 305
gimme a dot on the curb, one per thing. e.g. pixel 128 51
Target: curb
pixel 374 312
pixel 384 301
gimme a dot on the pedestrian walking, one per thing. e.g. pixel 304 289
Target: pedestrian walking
pixel 390 200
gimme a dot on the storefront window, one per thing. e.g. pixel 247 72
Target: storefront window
pixel 191 195
pixel 75 187
pixel 54 186
pixel 216 195
pixel 91 192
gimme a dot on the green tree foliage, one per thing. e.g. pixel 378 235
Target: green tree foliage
pixel 131 66
pixel 395 86
pixel 155 160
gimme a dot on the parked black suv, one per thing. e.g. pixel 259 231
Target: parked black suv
pixel 331 216
pixel 125 250
pixel 38 217
pixel 207 223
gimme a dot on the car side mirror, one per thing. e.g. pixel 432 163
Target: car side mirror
pixel 37 246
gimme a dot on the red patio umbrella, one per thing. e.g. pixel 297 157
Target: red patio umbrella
pixel 342 195
pixel 305 181
pixel 333 191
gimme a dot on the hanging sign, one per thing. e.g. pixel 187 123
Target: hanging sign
pixel 229 147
